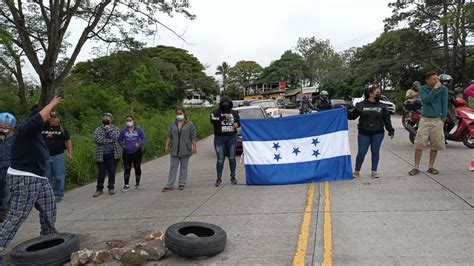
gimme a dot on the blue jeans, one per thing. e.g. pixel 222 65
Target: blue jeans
pixel 364 141
pixel 55 173
pixel 225 146
pixel 4 190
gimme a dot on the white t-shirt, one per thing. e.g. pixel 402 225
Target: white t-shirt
pixel 12 171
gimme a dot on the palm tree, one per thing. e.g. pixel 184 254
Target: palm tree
pixel 224 71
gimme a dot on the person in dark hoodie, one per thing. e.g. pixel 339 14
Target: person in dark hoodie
pixel 225 121
pixel 374 116
pixel 26 177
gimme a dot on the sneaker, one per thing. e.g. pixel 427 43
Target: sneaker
pixel 471 168
pixel 166 189
pixel 138 187
pixel 375 174
pixel 356 174
pixel 126 188
pixel 233 181
pixel 181 187
pixel 218 183
pixel 112 191
pixel 97 194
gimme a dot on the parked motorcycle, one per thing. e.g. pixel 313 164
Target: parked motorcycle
pixel 464 131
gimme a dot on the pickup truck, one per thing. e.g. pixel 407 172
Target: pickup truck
pixel 383 99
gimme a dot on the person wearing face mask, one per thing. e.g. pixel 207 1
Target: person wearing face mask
pixel 7 137
pixel 181 143
pixel 132 138
pixel 225 121
pixel 107 153
pixel 324 103
pixel 373 117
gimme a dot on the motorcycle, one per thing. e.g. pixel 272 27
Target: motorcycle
pixel 465 128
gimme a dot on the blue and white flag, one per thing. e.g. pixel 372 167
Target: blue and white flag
pixel 297 149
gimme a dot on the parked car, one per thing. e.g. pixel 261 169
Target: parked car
pixel 270 107
pixel 286 103
pixel 338 103
pixel 383 99
pixel 248 112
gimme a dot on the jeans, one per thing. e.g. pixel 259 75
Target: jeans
pixel 225 146
pixel 56 173
pixel 364 141
pixel 108 166
pixel 4 190
pixel 136 160
pixel 182 164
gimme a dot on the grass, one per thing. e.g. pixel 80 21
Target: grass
pixel 83 169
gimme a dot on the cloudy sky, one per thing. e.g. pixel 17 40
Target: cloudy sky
pixel 261 30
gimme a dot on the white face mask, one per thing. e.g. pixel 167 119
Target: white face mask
pixel 180 117
pixel 130 124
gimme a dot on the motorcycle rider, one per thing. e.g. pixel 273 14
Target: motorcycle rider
pixel 306 105
pixel 324 103
pixel 412 93
pixel 447 81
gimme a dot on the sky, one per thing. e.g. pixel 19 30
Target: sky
pixel 262 30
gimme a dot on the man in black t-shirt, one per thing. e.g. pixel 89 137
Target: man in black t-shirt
pixel 57 139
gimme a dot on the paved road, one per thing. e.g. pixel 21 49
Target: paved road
pixel 396 219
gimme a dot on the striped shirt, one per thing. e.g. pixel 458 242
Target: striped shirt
pixel 103 136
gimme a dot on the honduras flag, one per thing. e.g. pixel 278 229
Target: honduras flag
pixel 297 149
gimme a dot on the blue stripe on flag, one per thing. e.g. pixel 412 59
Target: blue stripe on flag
pixel 333 169
pixel 292 127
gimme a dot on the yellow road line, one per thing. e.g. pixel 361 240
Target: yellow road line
pixel 304 230
pixel 327 227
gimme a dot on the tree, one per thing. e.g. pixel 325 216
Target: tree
pixel 157 77
pixel 244 73
pixel 10 60
pixel 449 22
pixel 40 29
pixel 290 68
pixel 319 56
pixel 223 70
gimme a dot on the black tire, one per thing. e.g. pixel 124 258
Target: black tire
pixel 467 140
pixel 405 118
pixel 54 249
pixel 412 138
pixel 209 239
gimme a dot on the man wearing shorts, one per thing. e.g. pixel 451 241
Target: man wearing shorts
pixel 431 128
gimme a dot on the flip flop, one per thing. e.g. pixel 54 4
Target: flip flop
pixel 414 171
pixel 433 171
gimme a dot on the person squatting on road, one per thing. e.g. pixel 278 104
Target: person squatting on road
pixel 132 138
pixel 431 128
pixel 7 137
pixel 57 140
pixel 26 177
pixel 181 143
pixel 225 121
pixel 107 153
pixel 374 116
pixel 324 103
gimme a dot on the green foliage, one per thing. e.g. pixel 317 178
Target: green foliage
pixel 290 68
pixel 244 73
pixel 83 169
pixel 157 77
pixel 234 93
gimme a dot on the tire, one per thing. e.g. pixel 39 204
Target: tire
pixel 54 249
pixel 211 239
pixel 405 118
pixel 467 140
pixel 412 138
